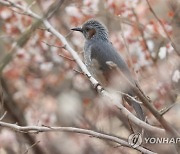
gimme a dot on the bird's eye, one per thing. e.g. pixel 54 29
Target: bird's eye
pixel 87 29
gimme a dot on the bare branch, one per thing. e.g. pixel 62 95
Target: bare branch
pixel 37 129
pixel 86 72
pixel 27 34
pixel 160 22
pixel 16 115
pixel 100 89
pixel 20 42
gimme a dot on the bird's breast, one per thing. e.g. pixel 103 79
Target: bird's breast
pixel 93 65
pixel 87 56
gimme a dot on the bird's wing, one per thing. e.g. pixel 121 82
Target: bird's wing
pixel 104 52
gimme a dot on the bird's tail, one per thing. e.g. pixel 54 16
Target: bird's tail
pixel 138 109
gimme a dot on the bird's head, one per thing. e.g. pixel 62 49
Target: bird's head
pixel 93 29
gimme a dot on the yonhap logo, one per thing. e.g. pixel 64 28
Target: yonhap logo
pixel 163 140
pixel 136 139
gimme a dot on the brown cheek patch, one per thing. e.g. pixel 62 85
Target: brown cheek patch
pixel 91 33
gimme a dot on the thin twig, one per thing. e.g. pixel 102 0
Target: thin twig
pixel 130 126
pixel 42 28
pixel 79 72
pixel 66 57
pixel 162 25
pixel 141 31
pixel 128 96
pixel 32 4
pixel 52 45
pixel 31 147
pixel 61 47
pixel 68 34
pixel 1 97
pixel 126 45
pixel 165 110
pixel 2 117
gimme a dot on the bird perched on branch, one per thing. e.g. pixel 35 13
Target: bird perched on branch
pixel 105 64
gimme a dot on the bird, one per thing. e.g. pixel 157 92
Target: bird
pixel 104 62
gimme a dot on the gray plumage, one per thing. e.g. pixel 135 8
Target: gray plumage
pixel 103 52
pixel 98 50
pixel 101 31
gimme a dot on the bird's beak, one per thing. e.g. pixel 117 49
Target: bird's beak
pixel 77 29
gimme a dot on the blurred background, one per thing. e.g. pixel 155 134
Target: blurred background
pixel 42 85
